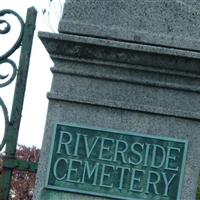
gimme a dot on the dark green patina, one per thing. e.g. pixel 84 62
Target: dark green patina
pixel 118 165
pixel 12 123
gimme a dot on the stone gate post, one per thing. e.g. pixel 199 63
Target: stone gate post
pixel 124 108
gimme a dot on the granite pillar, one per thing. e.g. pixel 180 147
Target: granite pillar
pixel 126 66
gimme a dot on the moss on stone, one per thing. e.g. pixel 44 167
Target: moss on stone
pixel 198 191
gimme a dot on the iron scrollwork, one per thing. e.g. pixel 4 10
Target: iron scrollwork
pixel 5 60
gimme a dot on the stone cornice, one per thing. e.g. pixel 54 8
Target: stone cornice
pixel 67 45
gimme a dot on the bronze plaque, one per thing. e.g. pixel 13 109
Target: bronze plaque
pixel 119 165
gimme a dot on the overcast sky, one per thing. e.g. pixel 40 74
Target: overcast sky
pixel 39 79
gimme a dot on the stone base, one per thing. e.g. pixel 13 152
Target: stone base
pixel 124 87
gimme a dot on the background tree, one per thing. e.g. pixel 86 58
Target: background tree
pixel 23 182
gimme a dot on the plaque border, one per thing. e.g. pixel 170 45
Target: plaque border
pixel 116 131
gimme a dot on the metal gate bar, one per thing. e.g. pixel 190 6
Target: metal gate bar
pixel 12 124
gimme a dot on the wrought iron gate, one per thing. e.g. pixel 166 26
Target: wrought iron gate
pixel 12 121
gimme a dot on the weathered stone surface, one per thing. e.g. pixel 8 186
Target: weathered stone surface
pixel 116 85
pixel 159 22
pixel 126 65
